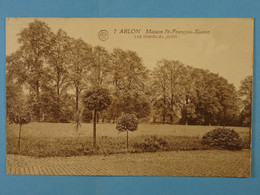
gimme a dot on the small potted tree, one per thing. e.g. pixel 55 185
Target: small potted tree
pixel 127 122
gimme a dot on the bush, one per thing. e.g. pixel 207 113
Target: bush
pixel 127 122
pixel 152 144
pixel 223 138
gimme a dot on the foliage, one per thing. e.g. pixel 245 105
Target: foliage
pixel 223 138
pixel 70 146
pixel 127 122
pixel 100 66
pixel 53 71
pixel 58 73
pixel 79 60
pixel 167 79
pixel 128 77
pixel 153 144
pixel 34 46
pixel 245 92
pixel 187 95
pixel 86 116
pixel 19 114
pixel 97 99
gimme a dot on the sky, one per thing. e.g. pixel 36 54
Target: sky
pixel 223 46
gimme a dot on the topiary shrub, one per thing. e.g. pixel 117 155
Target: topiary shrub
pixel 223 138
pixel 127 122
pixel 152 144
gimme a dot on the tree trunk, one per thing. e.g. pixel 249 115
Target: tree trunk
pixel 38 114
pixel 164 114
pixel 58 98
pixel 19 138
pixel 171 119
pixel 97 118
pixel 77 108
pixel 94 128
pixel 164 109
pixel 127 140
pixel 250 126
pixel 250 135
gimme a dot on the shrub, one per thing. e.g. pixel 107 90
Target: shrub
pixel 152 144
pixel 223 138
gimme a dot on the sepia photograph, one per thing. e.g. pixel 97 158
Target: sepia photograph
pixel 129 96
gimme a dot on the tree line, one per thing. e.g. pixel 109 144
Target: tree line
pixel 50 73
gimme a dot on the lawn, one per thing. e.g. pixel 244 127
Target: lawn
pixel 61 139
pixel 49 130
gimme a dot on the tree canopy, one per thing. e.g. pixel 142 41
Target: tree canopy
pixel 64 79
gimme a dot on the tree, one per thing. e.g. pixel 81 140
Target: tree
pixel 127 78
pixel 190 96
pixel 13 86
pixel 35 43
pixel 17 110
pixel 159 87
pixel 58 60
pixel 19 114
pixel 100 66
pixel 246 94
pixel 80 57
pixel 127 122
pixel 169 80
pixel 97 100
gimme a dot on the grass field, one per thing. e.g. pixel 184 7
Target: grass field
pixel 61 139
pixel 49 130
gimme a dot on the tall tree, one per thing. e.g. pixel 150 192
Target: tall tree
pixel 80 56
pixel 245 92
pixel 58 60
pixel 170 80
pixel 216 102
pixel 246 95
pixel 160 88
pixel 100 66
pixel 190 96
pixel 128 76
pixel 34 43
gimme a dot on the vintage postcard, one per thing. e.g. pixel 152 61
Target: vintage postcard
pixel 129 96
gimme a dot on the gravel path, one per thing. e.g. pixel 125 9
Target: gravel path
pixel 174 163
